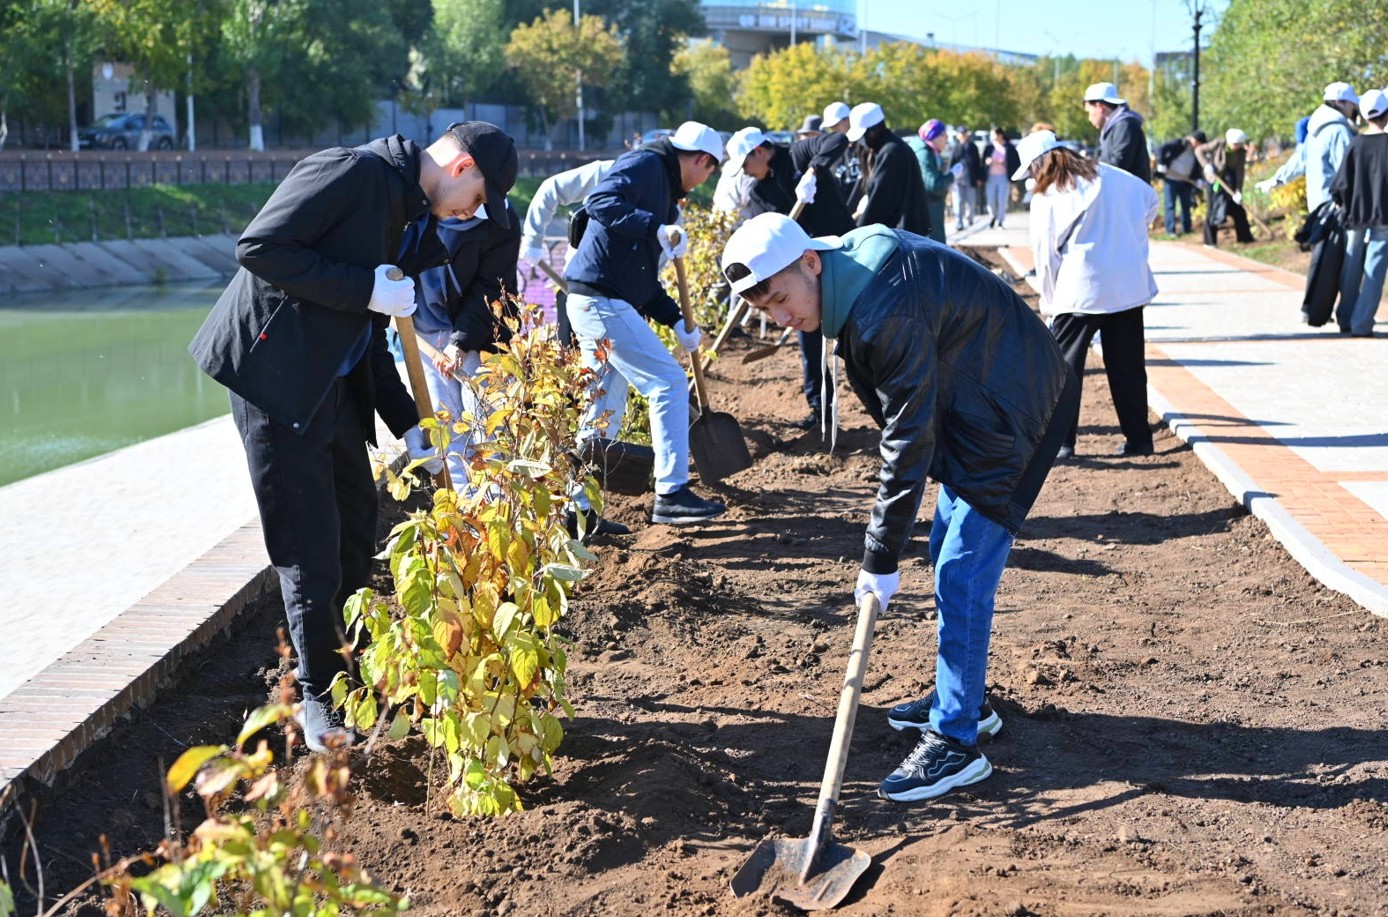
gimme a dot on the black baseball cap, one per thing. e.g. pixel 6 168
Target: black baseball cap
pixel 495 154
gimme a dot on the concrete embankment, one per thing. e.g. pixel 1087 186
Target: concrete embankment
pixel 120 262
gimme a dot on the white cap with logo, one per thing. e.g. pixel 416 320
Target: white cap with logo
pixel 1340 92
pixel 863 116
pixel 693 136
pixel 766 245
pixel 834 112
pixel 742 143
pixel 1104 92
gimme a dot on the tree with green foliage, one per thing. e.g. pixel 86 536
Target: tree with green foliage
pixel 551 56
pixel 709 69
pixel 464 53
pixel 779 89
pixel 1296 46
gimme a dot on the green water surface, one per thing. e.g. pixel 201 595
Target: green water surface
pixel 86 372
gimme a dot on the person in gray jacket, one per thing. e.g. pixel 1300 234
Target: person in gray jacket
pixel 970 390
pixel 1122 141
pixel 1328 134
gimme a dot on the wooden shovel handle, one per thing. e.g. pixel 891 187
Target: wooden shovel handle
pixel 414 368
pixel 688 310
pixel 554 275
pixel 798 209
pixel 868 610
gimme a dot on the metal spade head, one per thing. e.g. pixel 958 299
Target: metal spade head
pixel 778 868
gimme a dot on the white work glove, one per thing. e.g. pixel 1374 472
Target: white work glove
pixel 1266 185
pixel 673 241
pixel 391 297
pixel 804 191
pixel 690 339
pixel 882 585
pixel 418 446
pixel 534 254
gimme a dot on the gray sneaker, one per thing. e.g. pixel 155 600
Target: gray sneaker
pixel 323 727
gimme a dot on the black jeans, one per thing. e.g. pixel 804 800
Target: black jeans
pixel 1242 232
pixel 814 376
pixel 317 505
pixel 1125 362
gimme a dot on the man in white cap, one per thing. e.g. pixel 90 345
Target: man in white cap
pixel 846 170
pixel 1222 161
pixel 891 191
pixel 614 286
pixel 1328 134
pixel 1122 142
pixel 1361 189
pixel 970 390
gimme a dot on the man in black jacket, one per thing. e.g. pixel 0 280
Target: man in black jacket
pixel 1122 142
pixel 891 191
pixel 967 167
pixel 785 175
pixel 298 337
pixel 969 389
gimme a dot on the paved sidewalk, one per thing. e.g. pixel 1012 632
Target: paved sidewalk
pixel 1292 419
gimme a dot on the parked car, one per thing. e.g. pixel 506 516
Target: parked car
pixel 122 132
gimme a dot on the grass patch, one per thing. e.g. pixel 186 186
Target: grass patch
pixel 1278 253
pixel 149 212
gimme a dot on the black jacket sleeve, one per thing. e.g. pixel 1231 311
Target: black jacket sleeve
pixel 277 246
pixel 886 188
pixel 1127 149
pixel 904 404
pixel 481 277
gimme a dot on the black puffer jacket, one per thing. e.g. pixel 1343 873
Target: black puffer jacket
pixel 966 383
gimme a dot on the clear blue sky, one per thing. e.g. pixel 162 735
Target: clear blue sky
pixel 1127 29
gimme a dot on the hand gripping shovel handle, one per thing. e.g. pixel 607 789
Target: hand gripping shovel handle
pixel 868 610
pixel 414 368
pixel 688 310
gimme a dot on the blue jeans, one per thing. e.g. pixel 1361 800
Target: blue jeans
pixel 999 189
pixel 1361 278
pixel 635 355
pixel 1177 192
pixel 969 552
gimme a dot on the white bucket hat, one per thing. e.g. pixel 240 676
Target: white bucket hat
pixel 1030 147
pixel 766 245
pixel 693 136
pixel 862 117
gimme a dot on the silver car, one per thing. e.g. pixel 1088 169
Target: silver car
pixel 122 132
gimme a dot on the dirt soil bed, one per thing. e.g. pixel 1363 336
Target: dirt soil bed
pixel 1192 725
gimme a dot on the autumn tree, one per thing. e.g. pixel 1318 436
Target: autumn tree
pixel 551 57
pixel 779 89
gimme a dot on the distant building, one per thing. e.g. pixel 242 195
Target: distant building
pixel 748 28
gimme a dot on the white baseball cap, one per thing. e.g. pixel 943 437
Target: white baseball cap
pixel 696 137
pixel 1104 92
pixel 1030 147
pixel 863 116
pixel 1234 135
pixel 1340 92
pixel 765 245
pixel 742 143
pixel 1373 103
pixel 834 112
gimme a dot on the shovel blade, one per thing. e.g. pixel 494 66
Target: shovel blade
pixel 716 443
pixel 776 869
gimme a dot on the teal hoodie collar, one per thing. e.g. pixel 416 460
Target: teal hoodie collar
pixel 848 270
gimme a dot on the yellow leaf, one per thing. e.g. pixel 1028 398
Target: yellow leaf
pixel 188 765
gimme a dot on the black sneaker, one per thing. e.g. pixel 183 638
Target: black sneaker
pixel 809 422
pixel 684 507
pixel 935 766
pixel 1129 450
pixel 593 524
pixel 322 723
pixel 916 715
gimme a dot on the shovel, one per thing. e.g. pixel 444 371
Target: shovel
pixel 414 368
pixel 555 277
pixel 715 440
pixel 814 873
pixel 761 353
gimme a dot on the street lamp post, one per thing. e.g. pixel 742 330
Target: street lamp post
pixel 579 89
pixel 1197 10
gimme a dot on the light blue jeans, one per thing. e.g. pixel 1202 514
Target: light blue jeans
pixel 1361 279
pixel 999 189
pixel 460 397
pixel 969 552
pixel 635 355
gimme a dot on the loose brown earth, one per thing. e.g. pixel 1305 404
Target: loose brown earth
pixel 1191 724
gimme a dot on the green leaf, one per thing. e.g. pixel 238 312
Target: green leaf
pixel 503 619
pixel 262 717
pixel 415 586
pixel 187 766
pixel 400 726
pixel 529 468
pixel 564 572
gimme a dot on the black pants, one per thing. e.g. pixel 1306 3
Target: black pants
pixel 1242 232
pixel 317 505
pixel 1125 362
pixel 814 376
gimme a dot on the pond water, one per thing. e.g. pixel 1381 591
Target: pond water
pixel 86 372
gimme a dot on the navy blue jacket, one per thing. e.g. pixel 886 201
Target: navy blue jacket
pixel 619 255
pixel 481 269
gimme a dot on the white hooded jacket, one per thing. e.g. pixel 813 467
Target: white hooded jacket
pixel 1090 244
pixel 1328 134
